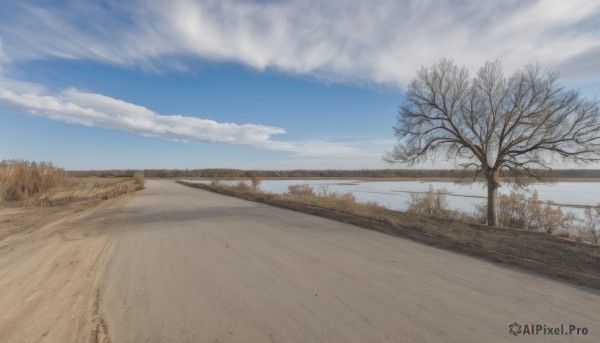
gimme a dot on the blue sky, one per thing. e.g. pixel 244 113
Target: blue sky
pixel 253 84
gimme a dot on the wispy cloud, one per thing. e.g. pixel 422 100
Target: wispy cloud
pixel 90 109
pixel 76 107
pixel 375 41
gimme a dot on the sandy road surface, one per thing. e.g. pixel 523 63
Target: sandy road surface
pixel 51 262
pixel 192 266
pixel 177 264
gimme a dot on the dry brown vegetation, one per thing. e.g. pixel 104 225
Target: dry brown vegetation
pixel 515 210
pixel 301 191
pixel 138 181
pixel 255 180
pixel 590 228
pixel 519 211
pixel 42 184
pixel 324 198
pixel 305 194
pixel 536 251
pixel 21 179
pixel 431 203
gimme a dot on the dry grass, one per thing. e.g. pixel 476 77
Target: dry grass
pixel 301 191
pixel 431 203
pixel 589 228
pixel 20 179
pixel 32 184
pixel 306 195
pixel 324 198
pixel 242 187
pixel 536 251
pixel 517 210
pixel 138 181
pixel 255 181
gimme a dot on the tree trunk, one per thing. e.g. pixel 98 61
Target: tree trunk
pixel 492 186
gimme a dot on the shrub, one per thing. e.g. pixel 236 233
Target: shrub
pixel 591 224
pixel 432 203
pixel 518 211
pixel 337 201
pixel 241 186
pixel 301 191
pixel 255 182
pixel 138 181
pixel 344 202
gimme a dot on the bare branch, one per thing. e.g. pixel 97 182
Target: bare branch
pixel 513 124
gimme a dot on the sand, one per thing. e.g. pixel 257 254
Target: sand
pixel 177 264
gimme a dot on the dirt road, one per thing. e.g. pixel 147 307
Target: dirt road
pixel 51 262
pixel 191 266
pixel 177 264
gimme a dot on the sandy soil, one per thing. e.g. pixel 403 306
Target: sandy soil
pixel 50 264
pixel 177 264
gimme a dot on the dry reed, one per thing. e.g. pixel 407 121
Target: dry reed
pixel 21 179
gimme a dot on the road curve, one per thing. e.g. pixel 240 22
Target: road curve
pixel 188 265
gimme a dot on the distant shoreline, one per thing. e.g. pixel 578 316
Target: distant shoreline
pixel 579 206
pixel 375 179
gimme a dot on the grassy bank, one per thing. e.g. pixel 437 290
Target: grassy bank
pixel 35 194
pixel 31 184
pixel 539 252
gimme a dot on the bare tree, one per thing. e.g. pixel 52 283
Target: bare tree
pixel 495 124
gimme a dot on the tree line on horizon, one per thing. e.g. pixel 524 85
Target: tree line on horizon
pixel 465 174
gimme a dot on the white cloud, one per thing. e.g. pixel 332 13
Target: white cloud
pixel 90 109
pixel 375 41
pixel 372 41
pixel 74 106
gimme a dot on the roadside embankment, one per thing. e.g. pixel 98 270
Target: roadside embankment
pixel 538 252
pixel 29 214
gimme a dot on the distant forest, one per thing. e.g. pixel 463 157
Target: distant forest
pixel 366 173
